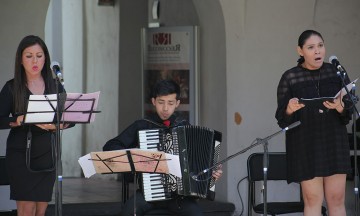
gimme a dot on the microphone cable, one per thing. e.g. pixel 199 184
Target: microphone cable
pixel 241 200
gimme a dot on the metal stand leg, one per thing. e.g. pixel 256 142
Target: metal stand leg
pixel 135 186
pixel 265 169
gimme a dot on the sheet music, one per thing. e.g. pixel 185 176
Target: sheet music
pixel 348 86
pixel 41 108
pixel 172 162
pixel 87 166
pixel 80 107
pixel 174 165
pixel 117 161
pixel 318 102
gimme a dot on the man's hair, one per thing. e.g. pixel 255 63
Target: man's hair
pixel 166 87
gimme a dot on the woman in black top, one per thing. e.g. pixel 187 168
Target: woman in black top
pixel 318 149
pixel 32 181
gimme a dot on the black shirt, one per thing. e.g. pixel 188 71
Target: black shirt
pixel 129 137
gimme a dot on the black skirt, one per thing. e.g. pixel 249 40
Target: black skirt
pixel 24 184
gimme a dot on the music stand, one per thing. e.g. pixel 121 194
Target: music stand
pixel 60 108
pixel 349 89
pixel 74 108
pixel 41 109
pixel 130 160
pixel 80 108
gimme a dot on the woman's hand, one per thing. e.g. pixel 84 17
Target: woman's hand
pixel 18 122
pixel 51 127
pixel 293 106
pixel 336 104
pixel 47 127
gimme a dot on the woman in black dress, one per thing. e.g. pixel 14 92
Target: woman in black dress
pixel 31 170
pixel 318 152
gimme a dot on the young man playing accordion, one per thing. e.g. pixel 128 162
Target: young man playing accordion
pixel 165 98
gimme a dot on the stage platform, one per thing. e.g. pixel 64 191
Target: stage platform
pixel 89 197
pixel 86 197
pixel 100 197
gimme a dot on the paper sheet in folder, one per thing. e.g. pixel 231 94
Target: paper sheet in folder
pixel 318 102
pixel 145 161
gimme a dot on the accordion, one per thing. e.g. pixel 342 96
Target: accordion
pixel 198 149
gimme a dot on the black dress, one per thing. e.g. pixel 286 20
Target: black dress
pixel 24 184
pixel 319 147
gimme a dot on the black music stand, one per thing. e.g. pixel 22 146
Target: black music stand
pixel 60 108
pixel 41 109
pixel 74 108
pixel 349 89
pixel 133 161
pixel 80 108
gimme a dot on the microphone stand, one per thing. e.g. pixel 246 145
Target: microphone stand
pixel 354 99
pixel 58 162
pixel 258 141
pixel 265 168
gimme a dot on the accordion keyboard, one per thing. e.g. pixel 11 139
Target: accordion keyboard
pixel 153 183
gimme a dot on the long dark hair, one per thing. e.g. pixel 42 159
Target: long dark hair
pixel 20 82
pixel 302 39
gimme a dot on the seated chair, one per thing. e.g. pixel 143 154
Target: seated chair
pixel 3 174
pixel 210 208
pixel 5 181
pixel 276 172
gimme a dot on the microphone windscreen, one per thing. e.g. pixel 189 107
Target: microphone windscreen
pixel 332 58
pixel 53 64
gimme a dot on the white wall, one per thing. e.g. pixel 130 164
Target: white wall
pixel 16 21
pixel 70 22
pixel 213 97
pixel 89 57
pixel 12 31
pixel 101 33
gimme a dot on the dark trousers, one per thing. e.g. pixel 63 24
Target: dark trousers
pixel 181 206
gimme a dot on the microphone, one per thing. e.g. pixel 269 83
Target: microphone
pixel 195 176
pixel 295 124
pixel 336 63
pixel 55 67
